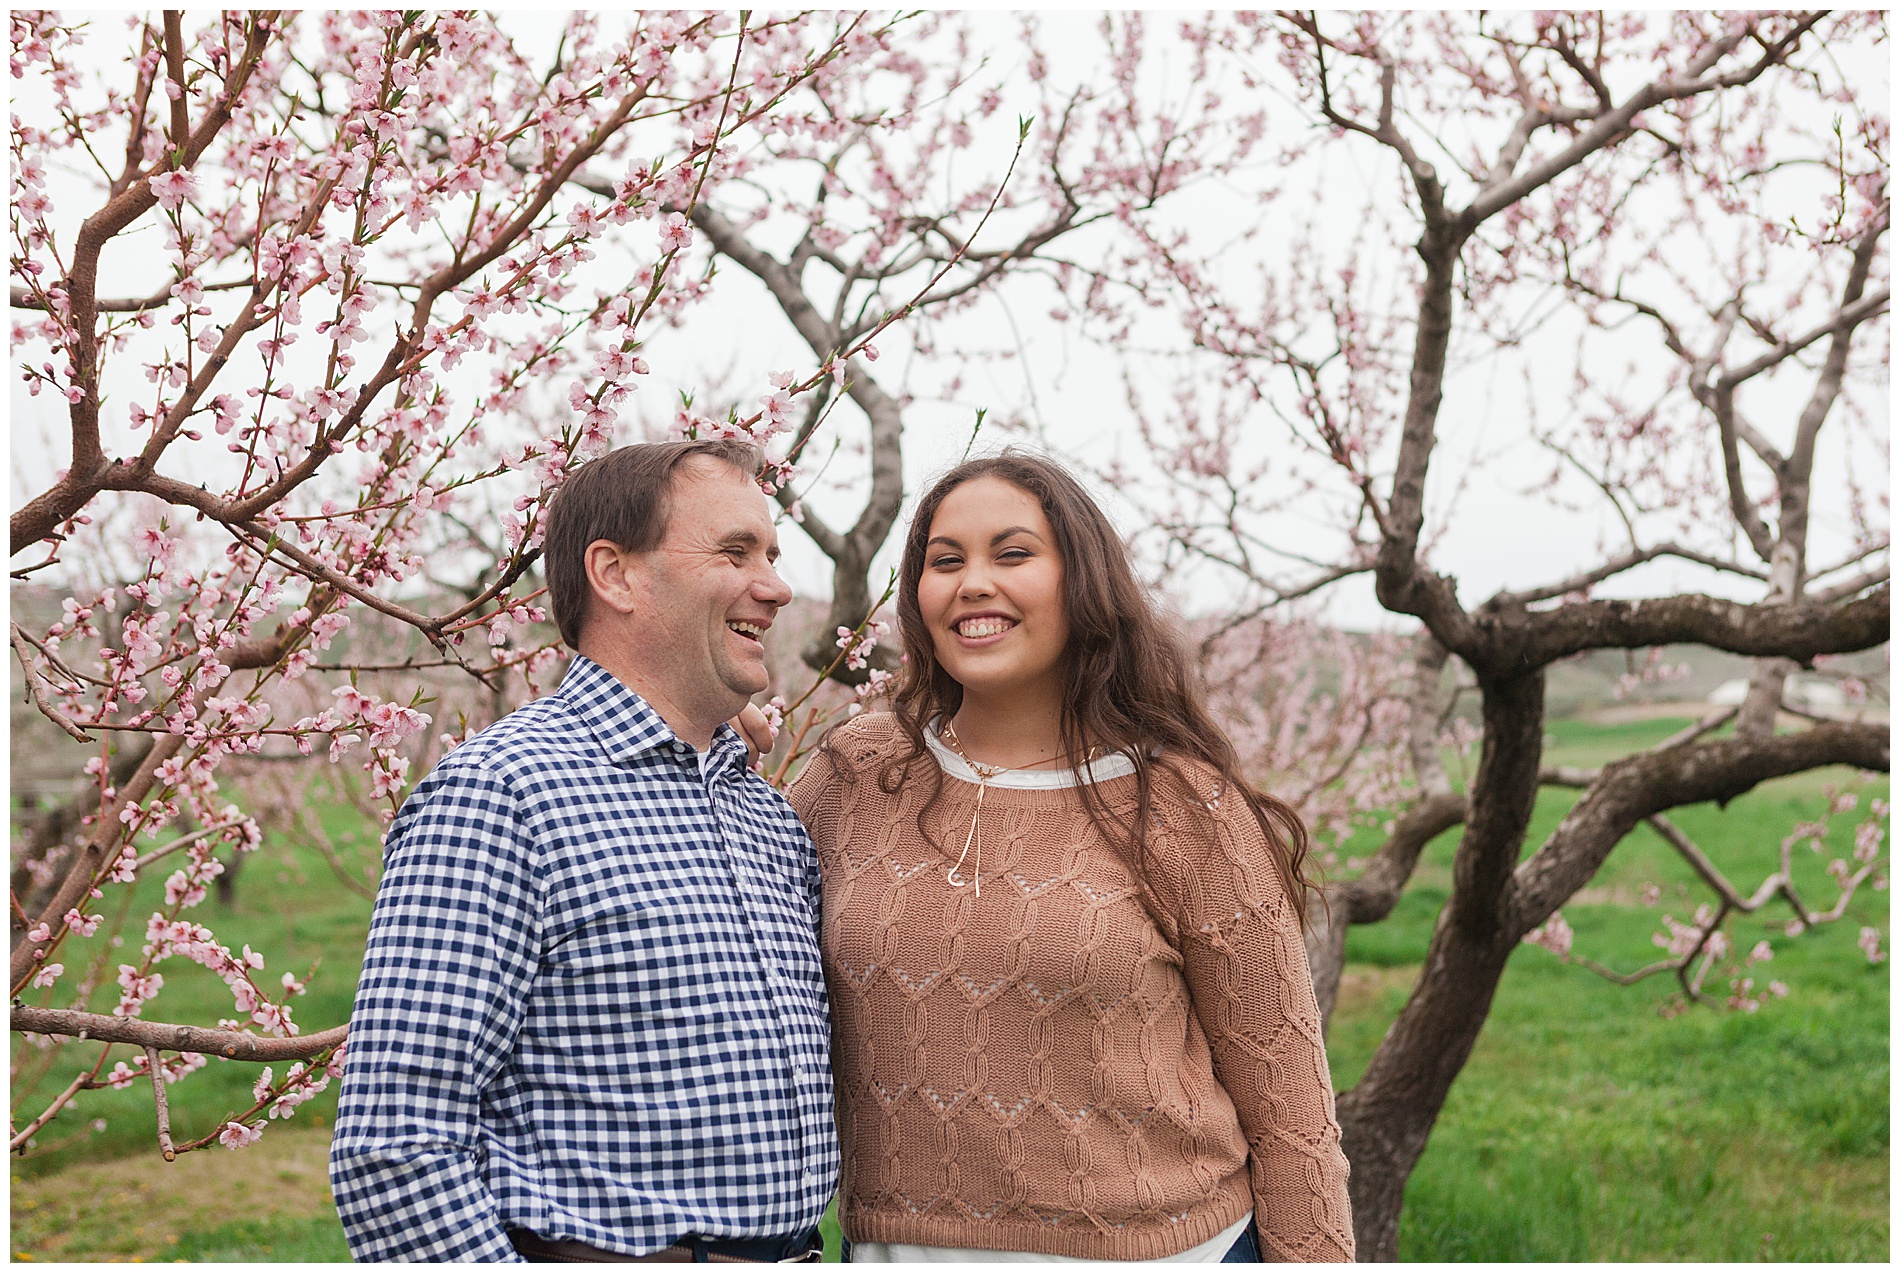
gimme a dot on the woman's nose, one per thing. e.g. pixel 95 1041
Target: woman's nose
pixel 975 582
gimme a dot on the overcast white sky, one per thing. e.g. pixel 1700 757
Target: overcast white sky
pixel 1073 389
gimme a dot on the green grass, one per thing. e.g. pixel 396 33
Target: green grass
pixel 1589 1126
pixel 1586 1126
pixel 279 1239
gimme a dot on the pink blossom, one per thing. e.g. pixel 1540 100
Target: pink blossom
pixel 123 1077
pixel 173 188
pixel 1869 943
pixel 1554 935
pixel 675 234
pixel 775 406
pixel 236 1135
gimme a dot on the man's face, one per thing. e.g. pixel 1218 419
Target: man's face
pixel 711 591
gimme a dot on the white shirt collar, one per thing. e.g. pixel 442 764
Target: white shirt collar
pixel 1101 769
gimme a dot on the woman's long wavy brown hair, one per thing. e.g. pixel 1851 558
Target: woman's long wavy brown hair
pixel 1127 683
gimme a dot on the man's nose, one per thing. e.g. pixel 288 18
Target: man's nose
pixel 773 589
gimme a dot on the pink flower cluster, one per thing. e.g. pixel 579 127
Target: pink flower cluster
pixel 857 645
pixel 1554 935
pixel 341 373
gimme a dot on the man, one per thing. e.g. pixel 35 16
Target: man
pixel 592 1024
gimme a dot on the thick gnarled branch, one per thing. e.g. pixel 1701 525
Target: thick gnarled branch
pixel 1798 632
pixel 1638 787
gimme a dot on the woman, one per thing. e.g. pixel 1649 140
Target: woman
pixel 1071 1006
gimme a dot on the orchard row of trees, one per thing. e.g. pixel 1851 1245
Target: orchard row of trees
pixel 328 305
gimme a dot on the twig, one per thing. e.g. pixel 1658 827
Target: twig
pixel 158 1100
pixel 59 665
pixel 183 840
pixel 36 686
pixel 798 741
pixel 1568 776
pixel 1714 720
pixel 1624 978
pixel 59 1103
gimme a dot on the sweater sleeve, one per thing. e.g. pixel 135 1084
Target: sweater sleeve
pixel 862 742
pixel 806 794
pixel 1247 975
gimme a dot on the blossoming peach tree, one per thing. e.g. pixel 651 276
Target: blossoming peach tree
pixel 404 270
pixel 329 304
pixel 1673 228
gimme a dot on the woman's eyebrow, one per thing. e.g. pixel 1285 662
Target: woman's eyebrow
pixel 1001 535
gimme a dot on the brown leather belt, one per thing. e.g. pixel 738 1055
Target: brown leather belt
pixel 691 1250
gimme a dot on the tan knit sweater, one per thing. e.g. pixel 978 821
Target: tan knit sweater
pixel 1083 1061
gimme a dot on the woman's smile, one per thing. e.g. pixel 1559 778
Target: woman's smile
pixel 991 591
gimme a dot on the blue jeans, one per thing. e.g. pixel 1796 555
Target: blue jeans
pixel 1245 1250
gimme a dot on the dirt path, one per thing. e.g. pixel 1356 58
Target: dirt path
pixel 135 1208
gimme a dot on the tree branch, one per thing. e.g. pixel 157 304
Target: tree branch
pixel 91 858
pixel 84 475
pixel 20 298
pixel 1798 631
pixel 1612 125
pixel 1638 787
pixel 232 1045
pixel 1722 402
pixel 1845 320
pixel 1851 585
pixel 159 1103
pixel 36 688
pixel 1617 565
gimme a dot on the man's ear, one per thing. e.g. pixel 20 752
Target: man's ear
pixel 616 577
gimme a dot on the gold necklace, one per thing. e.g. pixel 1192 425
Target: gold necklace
pixel 983 775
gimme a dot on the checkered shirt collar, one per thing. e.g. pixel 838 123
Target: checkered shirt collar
pixel 623 722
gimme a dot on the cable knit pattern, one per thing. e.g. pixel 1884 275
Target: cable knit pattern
pixel 1080 1061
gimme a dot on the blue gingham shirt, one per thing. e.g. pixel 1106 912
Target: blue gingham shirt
pixel 592 1005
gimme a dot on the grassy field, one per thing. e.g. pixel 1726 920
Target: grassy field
pixel 1586 1126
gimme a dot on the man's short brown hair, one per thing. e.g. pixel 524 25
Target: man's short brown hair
pixel 624 498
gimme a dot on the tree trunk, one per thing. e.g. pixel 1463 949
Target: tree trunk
pixel 1388 1117
pixel 227 880
pixel 1765 689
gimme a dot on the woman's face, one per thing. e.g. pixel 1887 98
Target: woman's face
pixel 991 591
